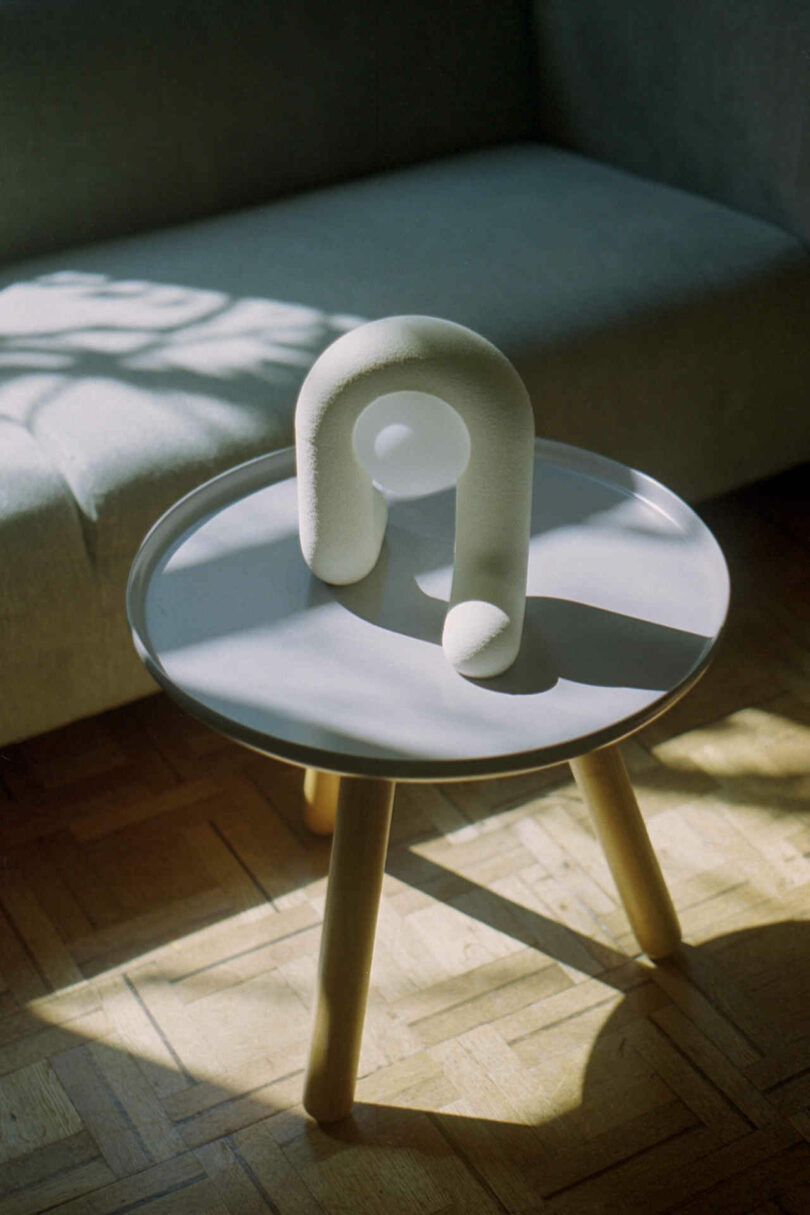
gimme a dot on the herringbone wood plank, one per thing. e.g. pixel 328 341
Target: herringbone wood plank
pixel 160 910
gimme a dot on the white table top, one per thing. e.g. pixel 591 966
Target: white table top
pixel 627 593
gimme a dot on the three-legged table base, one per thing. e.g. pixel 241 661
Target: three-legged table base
pixel 362 823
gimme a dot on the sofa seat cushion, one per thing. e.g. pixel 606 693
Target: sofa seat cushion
pixel 654 326
pixel 50 616
pixel 139 390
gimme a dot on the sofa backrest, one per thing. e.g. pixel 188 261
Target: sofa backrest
pixel 118 115
pixel 709 95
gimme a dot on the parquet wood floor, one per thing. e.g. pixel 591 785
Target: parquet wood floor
pixel 160 909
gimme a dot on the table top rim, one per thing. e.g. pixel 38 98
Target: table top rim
pixel 243 479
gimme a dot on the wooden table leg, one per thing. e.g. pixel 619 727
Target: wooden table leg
pixel 603 780
pixel 350 919
pixel 320 800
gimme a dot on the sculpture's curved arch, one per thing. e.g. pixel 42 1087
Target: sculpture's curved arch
pixel 342 515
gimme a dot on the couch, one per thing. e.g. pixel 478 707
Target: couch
pixel 198 197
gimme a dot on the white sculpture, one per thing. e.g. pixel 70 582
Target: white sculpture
pixel 342 514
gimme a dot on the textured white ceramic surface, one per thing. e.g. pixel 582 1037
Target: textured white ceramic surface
pixel 627 592
pixel 342 515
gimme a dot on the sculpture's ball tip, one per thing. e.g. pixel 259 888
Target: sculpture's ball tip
pixel 479 639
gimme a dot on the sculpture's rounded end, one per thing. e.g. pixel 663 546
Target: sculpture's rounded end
pixel 479 639
pixel 344 555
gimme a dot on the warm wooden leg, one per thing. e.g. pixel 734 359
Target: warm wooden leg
pixel 350 918
pixel 320 800
pixel 602 778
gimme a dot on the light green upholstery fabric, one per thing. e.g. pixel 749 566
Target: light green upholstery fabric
pixel 649 324
pixel 50 616
pixel 119 115
pixel 709 95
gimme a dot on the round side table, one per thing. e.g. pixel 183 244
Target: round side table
pixel 627 594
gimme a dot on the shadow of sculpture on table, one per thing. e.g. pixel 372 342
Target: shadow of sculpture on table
pixel 562 639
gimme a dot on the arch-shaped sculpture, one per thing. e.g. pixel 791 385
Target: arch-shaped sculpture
pixel 342 515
